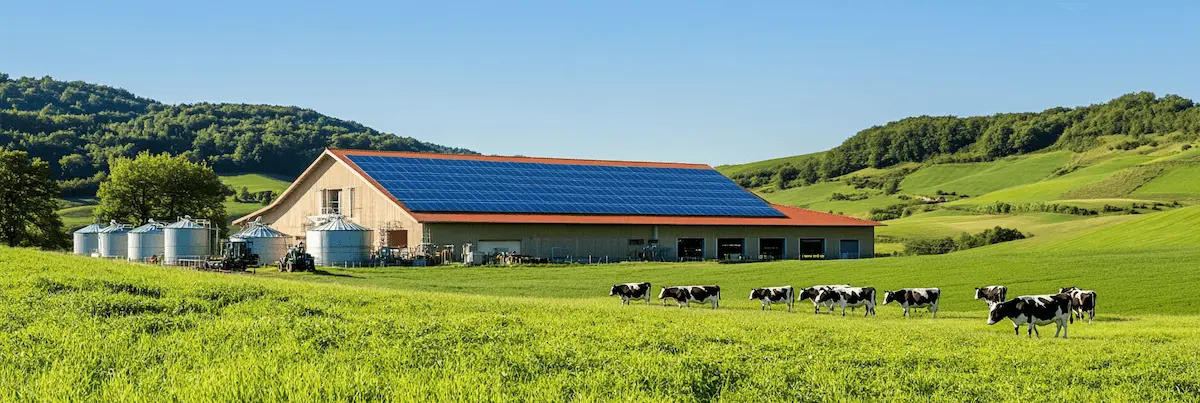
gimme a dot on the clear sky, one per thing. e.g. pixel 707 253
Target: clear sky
pixel 693 81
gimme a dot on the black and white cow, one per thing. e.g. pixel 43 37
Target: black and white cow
pixel 849 297
pixel 813 291
pixel 914 298
pixel 629 291
pixel 992 294
pixel 1081 301
pixel 1034 311
pixel 773 295
pixel 687 294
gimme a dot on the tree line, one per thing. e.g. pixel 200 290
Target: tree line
pixel 982 138
pixel 78 127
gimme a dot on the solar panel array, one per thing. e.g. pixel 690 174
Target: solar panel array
pixel 475 186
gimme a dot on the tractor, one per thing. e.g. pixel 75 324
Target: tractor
pixel 297 259
pixel 236 256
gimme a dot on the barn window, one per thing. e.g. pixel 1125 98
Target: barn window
pixel 331 201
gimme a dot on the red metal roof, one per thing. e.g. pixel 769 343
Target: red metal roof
pixel 793 216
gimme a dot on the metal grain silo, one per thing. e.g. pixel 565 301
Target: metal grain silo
pixel 146 241
pixel 113 240
pixel 186 239
pixel 270 245
pixel 87 239
pixel 339 242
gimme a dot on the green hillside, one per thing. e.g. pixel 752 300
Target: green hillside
pixel 87 329
pixel 78 213
pixel 730 170
pixel 77 127
pixel 983 177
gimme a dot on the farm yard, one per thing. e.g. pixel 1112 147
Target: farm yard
pixel 128 332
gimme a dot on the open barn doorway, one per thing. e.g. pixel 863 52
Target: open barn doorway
pixel 731 248
pixel 812 249
pixel 770 248
pixel 691 249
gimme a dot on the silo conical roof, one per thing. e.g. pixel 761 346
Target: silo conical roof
pixel 258 230
pixel 91 229
pixel 150 226
pixel 185 223
pixel 339 223
pixel 114 226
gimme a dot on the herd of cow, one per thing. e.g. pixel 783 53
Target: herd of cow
pixel 1034 310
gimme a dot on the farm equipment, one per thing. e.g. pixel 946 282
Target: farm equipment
pixel 389 256
pixel 297 259
pixel 236 256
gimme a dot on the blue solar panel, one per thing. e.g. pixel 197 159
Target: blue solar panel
pixel 450 185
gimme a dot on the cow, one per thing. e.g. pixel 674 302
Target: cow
pixel 773 295
pixel 914 298
pixel 1038 310
pixel 1081 301
pixel 849 297
pixel 992 294
pixel 811 293
pixel 687 294
pixel 629 291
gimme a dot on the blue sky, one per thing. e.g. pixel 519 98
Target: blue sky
pixel 692 81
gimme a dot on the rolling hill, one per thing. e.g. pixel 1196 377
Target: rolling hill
pixel 77 127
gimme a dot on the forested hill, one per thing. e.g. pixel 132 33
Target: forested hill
pixel 982 138
pixel 77 126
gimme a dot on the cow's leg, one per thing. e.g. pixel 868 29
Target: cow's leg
pixel 1091 315
pixel 1071 316
pixel 843 309
pixel 789 307
pixel 647 298
pixel 1064 325
pixel 1057 328
pixel 933 309
pixel 1017 330
pixel 906 312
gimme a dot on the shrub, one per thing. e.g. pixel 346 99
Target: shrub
pixel 965 241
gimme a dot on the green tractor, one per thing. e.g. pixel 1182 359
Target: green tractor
pixel 236 256
pixel 297 259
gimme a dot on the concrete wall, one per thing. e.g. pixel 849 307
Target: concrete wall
pixel 580 241
pixel 370 208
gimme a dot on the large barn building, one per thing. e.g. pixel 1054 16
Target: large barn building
pixel 558 208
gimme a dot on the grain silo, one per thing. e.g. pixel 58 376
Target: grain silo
pixel 339 242
pixel 87 239
pixel 270 245
pixel 186 239
pixel 146 241
pixel 113 240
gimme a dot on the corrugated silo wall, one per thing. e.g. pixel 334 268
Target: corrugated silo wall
pixel 559 241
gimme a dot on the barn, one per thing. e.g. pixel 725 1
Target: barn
pixel 557 209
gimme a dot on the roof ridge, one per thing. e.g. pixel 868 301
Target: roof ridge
pixel 518 158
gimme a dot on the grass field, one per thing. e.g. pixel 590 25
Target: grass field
pixel 84 329
pixel 983 177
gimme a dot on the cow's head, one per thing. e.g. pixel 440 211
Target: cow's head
pixel 889 296
pixel 663 294
pixel 1067 289
pixel 978 293
pixel 757 293
pixel 997 312
pixel 613 291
